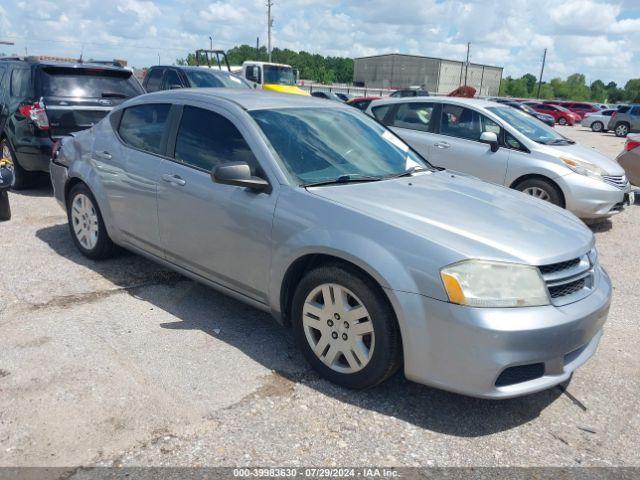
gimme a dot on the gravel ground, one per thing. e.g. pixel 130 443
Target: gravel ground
pixel 125 363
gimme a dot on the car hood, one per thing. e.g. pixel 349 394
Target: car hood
pixel 472 218
pixel 588 154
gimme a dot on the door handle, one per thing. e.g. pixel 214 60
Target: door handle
pixel 104 155
pixel 441 145
pixel 174 179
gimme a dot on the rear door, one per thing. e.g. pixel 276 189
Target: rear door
pixel 77 98
pixel 458 147
pixel 414 123
pixel 634 115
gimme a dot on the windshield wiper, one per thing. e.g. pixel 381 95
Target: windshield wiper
pixel 559 141
pixel 407 172
pixel 344 179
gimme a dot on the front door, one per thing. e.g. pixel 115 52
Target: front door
pixel 458 147
pixel 220 232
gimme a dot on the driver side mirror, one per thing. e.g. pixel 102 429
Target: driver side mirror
pixel 175 86
pixel 491 139
pixel 239 175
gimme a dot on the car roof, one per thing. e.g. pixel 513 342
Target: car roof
pixel 248 99
pixel 475 102
pixel 54 63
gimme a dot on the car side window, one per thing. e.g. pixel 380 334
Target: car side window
pixel 154 83
pixel 414 116
pixel 20 82
pixel 380 112
pixel 143 126
pixel 635 111
pixel 206 139
pixel 171 78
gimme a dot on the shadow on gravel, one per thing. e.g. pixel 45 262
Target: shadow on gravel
pixel 41 188
pixel 260 337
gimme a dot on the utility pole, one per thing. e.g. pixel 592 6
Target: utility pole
pixel 158 58
pixel 257 46
pixel 466 68
pixel 210 43
pixel 544 59
pixel 269 25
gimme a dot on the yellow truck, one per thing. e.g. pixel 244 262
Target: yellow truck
pixel 277 77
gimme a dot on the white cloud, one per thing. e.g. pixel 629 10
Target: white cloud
pixel 600 38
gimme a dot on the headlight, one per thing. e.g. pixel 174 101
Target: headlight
pixel 479 283
pixel 583 167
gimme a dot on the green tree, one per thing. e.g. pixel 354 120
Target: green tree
pixel 598 91
pixel 632 90
pixel 530 81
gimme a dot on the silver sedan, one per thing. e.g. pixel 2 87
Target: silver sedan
pixel 316 213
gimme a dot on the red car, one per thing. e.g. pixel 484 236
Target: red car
pixel 562 115
pixel 581 108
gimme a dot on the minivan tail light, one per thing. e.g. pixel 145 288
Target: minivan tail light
pixel 37 114
pixel 631 144
pixel 614 114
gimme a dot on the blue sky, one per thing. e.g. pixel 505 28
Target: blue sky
pixel 600 38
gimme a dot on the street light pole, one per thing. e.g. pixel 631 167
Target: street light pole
pixel 466 68
pixel 269 25
pixel 544 59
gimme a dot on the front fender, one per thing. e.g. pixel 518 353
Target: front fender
pixel 373 258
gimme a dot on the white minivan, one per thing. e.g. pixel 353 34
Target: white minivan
pixel 503 145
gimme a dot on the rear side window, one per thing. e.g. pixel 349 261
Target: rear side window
pixel 21 82
pixel 380 112
pixel 143 126
pixel 206 139
pixel 171 78
pixel 635 111
pixel 88 82
pixel 414 116
pixel 154 82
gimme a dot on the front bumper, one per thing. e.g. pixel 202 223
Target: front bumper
pixel 465 350
pixel 589 198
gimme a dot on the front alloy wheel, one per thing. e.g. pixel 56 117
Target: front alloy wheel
pixel 345 326
pixel 562 121
pixel 537 192
pixel 338 328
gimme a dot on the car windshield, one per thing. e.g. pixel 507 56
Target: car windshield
pixel 328 144
pixel 210 79
pixel 279 75
pixel 530 127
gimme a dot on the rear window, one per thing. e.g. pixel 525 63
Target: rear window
pixel 88 82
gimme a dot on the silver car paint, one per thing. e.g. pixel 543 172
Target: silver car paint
pixel 586 197
pixel 591 118
pixel 423 223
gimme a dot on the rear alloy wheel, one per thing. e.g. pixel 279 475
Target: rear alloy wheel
pixel 541 189
pixel 562 121
pixel 622 130
pixel 21 177
pixel 597 126
pixel 86 225
pixel 346 330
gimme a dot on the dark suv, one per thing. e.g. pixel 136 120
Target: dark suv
pixel 167 77
pixel 42 101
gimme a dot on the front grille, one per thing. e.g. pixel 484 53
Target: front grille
pixel 570 280
pixel 557 267
pixel 519 374
pixel 567 288
pixel 618 181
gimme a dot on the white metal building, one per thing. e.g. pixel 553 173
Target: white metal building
pixel 435 74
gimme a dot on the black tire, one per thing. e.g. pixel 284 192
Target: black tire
pixel 597 127
pixel 21 178
pixel 621 129
pixel 387 352
pixel 104 247
pixel 552 191
pixel 562 121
